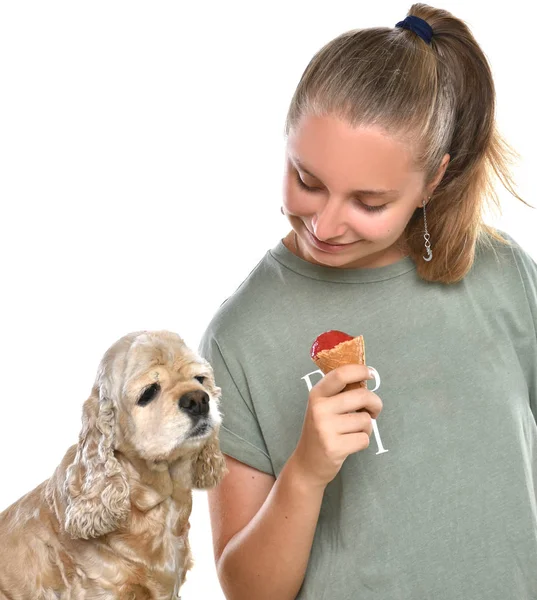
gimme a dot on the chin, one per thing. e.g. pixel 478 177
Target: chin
pixel 198 434
pixel 336 260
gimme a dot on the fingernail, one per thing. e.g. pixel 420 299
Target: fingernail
pixel 376 377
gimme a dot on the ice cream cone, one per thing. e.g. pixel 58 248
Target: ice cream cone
pixel 345 353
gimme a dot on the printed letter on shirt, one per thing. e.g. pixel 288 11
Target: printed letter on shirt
pixel 318 375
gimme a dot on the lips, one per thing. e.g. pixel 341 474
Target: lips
pixel 326 246
pixel 200 430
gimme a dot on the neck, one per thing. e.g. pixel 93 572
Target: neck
pixel 290 241
pixel 153 482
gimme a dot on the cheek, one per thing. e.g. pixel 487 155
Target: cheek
pixel 214 411
pixel 296 201
pixel 159 425
pixel 378 227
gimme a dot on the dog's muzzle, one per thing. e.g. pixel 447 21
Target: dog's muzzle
pixel 195 404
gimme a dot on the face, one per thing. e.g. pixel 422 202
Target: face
pixel 349 193
pixel 169 406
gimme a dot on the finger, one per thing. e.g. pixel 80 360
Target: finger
pixel 376 375
pixel 335 381
pixel 354 423
pixel 354 442
pixel 354 400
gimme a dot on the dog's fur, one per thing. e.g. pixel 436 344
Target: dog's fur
pixel 112 521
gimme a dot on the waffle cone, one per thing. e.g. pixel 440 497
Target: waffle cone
pixel 345 353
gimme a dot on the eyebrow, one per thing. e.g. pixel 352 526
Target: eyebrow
pixel 298 164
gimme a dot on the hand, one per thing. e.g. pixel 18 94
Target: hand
pixel 337 423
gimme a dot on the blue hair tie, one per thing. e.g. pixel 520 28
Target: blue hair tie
pixel 418 26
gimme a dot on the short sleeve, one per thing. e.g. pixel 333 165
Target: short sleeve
pixel 240 434
pixel 528 273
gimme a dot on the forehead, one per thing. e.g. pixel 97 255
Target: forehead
pixel 334 149
pixel 173 358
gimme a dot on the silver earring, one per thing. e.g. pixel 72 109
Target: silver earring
pixel 281 210
pixel 427 236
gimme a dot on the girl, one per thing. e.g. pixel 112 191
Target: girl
pixel 391 153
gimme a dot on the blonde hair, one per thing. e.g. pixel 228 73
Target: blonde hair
pixel 439 98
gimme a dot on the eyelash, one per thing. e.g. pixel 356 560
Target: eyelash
pixel 307 188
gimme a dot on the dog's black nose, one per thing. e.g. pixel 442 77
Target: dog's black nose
pixel 195 403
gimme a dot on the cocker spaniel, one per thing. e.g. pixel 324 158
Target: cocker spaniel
pixel 112 521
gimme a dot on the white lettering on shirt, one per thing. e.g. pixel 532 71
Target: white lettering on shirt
pixel 319 374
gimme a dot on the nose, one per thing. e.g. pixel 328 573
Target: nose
pixel 328 223
pixel 195 403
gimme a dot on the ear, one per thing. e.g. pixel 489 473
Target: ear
pixel 96 486
pixel 439 175
pixel 209 466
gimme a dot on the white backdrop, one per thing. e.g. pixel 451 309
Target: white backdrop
pixel 141 155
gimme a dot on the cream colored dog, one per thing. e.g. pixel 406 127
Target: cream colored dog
pixel 112 522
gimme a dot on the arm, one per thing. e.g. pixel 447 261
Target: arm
pixel 262 527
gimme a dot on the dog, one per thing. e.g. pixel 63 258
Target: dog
pixel 112 522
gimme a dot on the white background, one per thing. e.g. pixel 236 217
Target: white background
pixel 141 155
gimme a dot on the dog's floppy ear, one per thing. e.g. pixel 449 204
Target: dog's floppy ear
pixel 209 465
pixel 96 486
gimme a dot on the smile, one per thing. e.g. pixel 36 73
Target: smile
pixel 325 247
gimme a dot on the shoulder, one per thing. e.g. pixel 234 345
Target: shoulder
pixel 508 251
pixel 525 264
pixel 239 313
pixel 505 265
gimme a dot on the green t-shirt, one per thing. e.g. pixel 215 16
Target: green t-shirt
pixel 442 504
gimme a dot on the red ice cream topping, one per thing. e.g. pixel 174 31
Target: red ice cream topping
pixel 328 340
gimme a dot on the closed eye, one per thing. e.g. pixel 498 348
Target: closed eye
pixel 148 394
pixel 360 204
pixel 200 378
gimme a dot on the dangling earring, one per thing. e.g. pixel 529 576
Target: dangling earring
pixel 427 236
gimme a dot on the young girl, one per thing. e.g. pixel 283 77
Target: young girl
pixel 391 153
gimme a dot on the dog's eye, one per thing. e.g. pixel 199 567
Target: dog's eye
pixel 148 394
pixel 200 378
